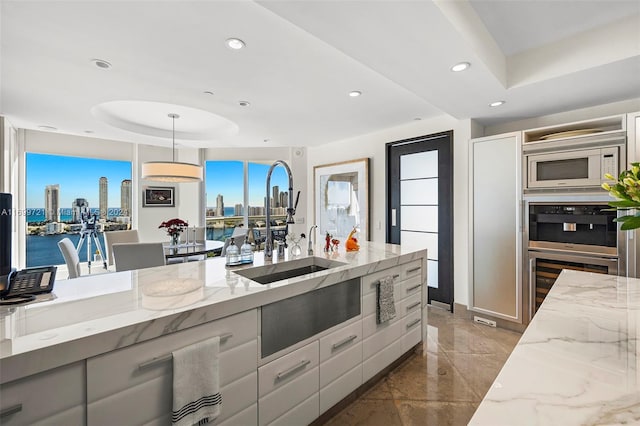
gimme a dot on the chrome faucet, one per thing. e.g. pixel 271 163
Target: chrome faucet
pixel 310 250
pixel 291 210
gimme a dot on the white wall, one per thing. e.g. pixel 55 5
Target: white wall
pixel 373 146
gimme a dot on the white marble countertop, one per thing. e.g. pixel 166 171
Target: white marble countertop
pixel 578 362
pixel 96 314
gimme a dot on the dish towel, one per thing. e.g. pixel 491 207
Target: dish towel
pixel 386 309
pixel 196 385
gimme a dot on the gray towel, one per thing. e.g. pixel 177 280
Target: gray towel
pixel 386 308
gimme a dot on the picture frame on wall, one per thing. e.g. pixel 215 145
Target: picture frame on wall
pixel 159 196
pixel 341 197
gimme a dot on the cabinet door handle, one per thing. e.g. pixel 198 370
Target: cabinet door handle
pixel 413 270
pixel 375 283
pixel 168 357
pixel 286 373
pixel 5 412
pixel 413 305
pixel 415 287
pixel 414 322
pixel 344 342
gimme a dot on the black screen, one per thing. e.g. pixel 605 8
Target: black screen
pixel 5 233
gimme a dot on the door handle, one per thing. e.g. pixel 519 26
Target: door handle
pixel 290 371
pixel 569 227
pixel 393 217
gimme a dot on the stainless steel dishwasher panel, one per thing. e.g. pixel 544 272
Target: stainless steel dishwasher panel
pixel 292 320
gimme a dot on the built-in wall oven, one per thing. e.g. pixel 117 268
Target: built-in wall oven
pixel 569 235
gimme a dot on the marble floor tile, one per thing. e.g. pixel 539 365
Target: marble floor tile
pixel 478 370
pixel 436 413
pixel 379 391
pixel 429 377
pixel 368 412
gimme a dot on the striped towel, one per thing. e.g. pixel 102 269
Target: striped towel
pixel 386 307
pixel 196 387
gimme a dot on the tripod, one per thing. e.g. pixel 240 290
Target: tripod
pixel 89 230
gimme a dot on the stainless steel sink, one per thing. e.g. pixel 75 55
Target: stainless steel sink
pixel 290 269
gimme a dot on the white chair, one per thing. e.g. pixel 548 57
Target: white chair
pixel 116 237
pixel 128 256
pixel 70 257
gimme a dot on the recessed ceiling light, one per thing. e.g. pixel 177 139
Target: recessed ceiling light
pixel 235 43
pixel 460 66
pixel 50 128
pixel 88 131
pixel 244 103
pixel 101 63
pixel 267 140
pixel 496 103
pixel 417 119
pixel 208 92
pixel 355 93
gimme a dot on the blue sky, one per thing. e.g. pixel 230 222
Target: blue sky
pixel 226 178
pixel 78 178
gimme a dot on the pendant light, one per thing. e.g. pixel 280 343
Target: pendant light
pixel 172 171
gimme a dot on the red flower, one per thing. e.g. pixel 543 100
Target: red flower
pixel 174 226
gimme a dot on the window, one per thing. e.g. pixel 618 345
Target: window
pixel 67 197
pixel 228 205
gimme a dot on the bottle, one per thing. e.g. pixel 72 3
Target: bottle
pixel 246 253
pixel 233 254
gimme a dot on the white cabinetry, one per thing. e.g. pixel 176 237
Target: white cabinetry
pixel 386 342
pixel 128 386
pixel 495 222
pixel 54 397
pixel 633 154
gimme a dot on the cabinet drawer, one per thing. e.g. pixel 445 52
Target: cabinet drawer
pixel 334 367
pixel 340 340
pixel 373 365
pixel 411 269
pixel 410 286
pixel 410 305
pixel 340 388
pixel 118 370
pixel 286 369
pixel 288 397
pixel 383 338
pixel 412 321
pixel 303 414
pixel 248 416
pixel 370 326
pixel 153 400
pixel 54 394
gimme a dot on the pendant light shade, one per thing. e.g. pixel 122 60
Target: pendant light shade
pixel 172 171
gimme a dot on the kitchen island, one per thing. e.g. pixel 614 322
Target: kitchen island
pixel 99 347
pixel 578 362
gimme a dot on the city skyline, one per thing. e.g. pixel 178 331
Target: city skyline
pixel 76 177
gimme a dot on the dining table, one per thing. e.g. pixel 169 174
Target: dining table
pixel 197 248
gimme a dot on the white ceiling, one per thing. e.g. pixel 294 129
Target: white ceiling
pixel 301 60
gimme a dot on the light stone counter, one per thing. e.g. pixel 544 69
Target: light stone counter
pixel 578 362
pixel 96 314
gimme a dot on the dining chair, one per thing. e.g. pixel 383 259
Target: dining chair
pixel 70 257
pixel 199 232
pixel 128 256
pixel 116 237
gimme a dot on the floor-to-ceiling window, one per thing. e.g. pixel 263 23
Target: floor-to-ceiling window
pixel 236 194
pixel 70 197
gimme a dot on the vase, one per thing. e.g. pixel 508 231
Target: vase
pixel 175 239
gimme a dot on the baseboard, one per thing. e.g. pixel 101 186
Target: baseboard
pixel 461 311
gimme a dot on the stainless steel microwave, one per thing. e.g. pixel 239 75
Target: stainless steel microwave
pixel 579 168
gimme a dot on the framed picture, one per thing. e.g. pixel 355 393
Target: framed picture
pixel 341 196
pixel 159 196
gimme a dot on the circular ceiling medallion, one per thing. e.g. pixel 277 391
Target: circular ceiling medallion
pixel 150 118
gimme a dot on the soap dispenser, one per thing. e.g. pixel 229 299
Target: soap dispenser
pixel 233 254
pixel 246 253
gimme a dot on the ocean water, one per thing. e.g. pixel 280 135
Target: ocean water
pixel 43 249
pixel 35 215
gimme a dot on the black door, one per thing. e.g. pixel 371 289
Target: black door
pixel 420 205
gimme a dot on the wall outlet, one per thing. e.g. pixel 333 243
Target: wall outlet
pixel 484 321
pixel 299 220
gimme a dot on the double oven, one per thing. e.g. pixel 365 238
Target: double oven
pixel 568 223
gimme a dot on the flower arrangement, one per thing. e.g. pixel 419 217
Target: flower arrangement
pixel 627 190
pixel 174 226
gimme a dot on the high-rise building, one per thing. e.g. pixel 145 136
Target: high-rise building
pixel 284 200
pixel 103 199
pixel 125 198
pixel 237 210
pixel 79 207
pixel 275 199
pixel 219 205
pixel 52 203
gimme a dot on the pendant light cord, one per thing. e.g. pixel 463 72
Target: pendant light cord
pixel 173 138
